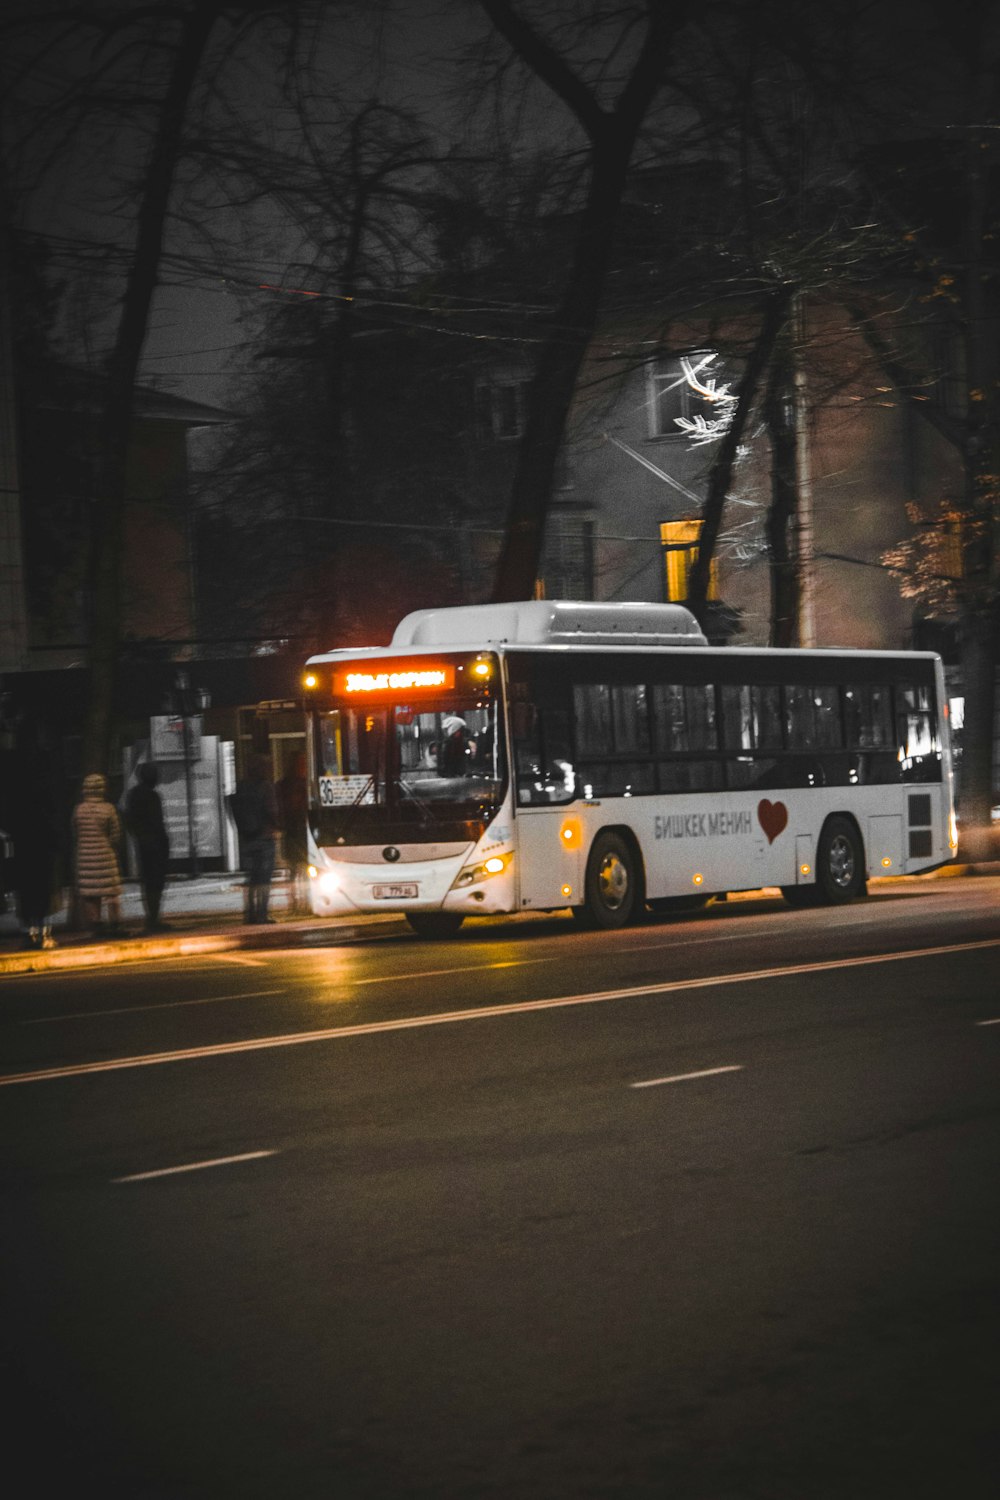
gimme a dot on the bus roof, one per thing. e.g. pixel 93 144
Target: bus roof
pixel 569 623
pixel 561 622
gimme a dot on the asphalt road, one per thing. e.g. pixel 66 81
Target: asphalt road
pixel 705 1209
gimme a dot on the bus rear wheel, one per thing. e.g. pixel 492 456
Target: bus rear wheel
pixel 435 924
pixel 840 863
pixel 613 884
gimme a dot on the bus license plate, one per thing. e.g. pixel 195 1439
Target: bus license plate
pixel 398 891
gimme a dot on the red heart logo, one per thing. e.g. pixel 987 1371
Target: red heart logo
pixel 772 817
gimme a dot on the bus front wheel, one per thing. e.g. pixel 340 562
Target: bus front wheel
pixel 612 887
pixel 435 924
pixel 840 862
pixel 801 895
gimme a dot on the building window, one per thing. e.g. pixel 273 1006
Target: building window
pixel 681 389
pixel 679 540
pixel 568 566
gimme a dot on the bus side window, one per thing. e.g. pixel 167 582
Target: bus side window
pixel 684 718
pixel 543 756
pixel 527 749
pixel 812 718
pixel 701 721
pixel 670 718
pixel 592 702
pixel 557 749
pixel 738 725
pixel 918 747
pixel 868 714
pixel 829 729
pixel 630 719
pixel 767 717
pixel 751 716
pixel 524 728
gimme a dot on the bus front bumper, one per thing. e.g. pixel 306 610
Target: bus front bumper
pixel 345 890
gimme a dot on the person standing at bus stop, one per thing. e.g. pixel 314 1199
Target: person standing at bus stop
pixel 254 807
pixel 293 804
pixel 144 820
pixel 96 842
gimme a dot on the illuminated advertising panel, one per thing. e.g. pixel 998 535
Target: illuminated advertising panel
pixel 366 680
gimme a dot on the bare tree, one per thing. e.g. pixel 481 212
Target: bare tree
pixel 194 27
pixel 124 78
pixel 611 135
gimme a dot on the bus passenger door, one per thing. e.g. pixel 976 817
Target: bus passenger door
pixel 549 858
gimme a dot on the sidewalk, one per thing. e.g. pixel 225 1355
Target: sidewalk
pixel 204 914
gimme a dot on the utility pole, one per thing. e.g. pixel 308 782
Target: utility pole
pixel 805 549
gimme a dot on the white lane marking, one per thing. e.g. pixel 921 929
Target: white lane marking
pixel 128 1010
pixel 194 1166
pixel 994 1022
pixel 443 973
pixel 485 1013
pixel 652 1083
pixel 95 973
pixel 695 942
pixel 552 958
pixel 251 963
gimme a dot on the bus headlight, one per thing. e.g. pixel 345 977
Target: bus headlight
pixel 328 883
pixel 473 874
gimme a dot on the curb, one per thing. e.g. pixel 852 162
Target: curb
pixel 142 949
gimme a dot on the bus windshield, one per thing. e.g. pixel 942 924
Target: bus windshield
pixel 407 772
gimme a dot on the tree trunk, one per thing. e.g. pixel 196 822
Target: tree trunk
pixel 551 391
pixel 107 536
pixel 612 136
pixel 780 417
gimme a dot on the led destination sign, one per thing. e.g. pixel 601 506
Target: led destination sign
pixel 357 683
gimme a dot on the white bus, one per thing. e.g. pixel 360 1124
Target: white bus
pixel 602 757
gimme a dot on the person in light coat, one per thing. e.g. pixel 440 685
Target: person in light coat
pixel 97 838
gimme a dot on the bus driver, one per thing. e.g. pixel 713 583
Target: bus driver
pixel 457 749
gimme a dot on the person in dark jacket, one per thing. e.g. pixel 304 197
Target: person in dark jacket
pixel 144 821
pixel 293 804
pixel 255 812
